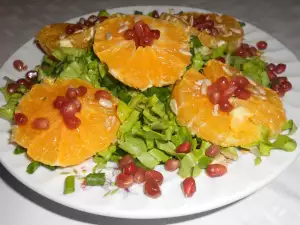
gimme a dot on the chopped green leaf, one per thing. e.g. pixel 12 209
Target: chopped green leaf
pixel 103 12
pixel 32 167
pixel 69 185
pixel 19 150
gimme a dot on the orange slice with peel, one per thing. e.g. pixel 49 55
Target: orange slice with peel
pixel 240 127
pixel 157 65
pixel 58 145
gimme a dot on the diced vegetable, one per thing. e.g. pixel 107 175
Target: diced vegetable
pixel 69 185
pixel 32 167
pixel 95 179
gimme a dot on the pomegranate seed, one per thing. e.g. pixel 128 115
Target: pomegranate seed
pixel 185 147
pixel 155 14
pixel 213 150
pixel 31 75
pixel 222 83
pixel 286 85
pixel 245 46
pixel 22 81
pixel 70 29
pixel 240 81
pixel 271 75
pixel 147 30
pixel 221 59
pixel 102 94
pixel 252 51
pixel 281 91
pixel 282 79
pixel 146 41
pixel 189 187
pixel 129 34
pixel 18 65
pixel 139 176
pixel 68 109
pixel 226 94
pixel 41 123
pixel 280 68
pixel 88 23
pixel 71 93
pixel 12 88
pixel 211 89
pixel 155 34
pixel 152 189
pixel 225 106
pixel 214 31
pixel 242 93
pixel 93 18
pixel 216 170
pixel 78 104
pixel 20 119
pixel 271 67
pixel 172 165
pixel 261 45
pixel 139 28
pixel 130 169
pixel 125 161
pixel 154 175
pixel 72 122
pixel 81 91
pixel 215 97
pixel 240 52
pixel 124 180
pixel 59 101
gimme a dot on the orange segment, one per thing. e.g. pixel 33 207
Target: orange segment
pixel 241 127
pixel 160 64
pixel 59 145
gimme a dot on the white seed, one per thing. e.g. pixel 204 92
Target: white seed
pixel 191 21
pixel 199 82
pixel 204 86
pixel 185 52
pixel 105 103
pixel 226 70
pixel 108 36
pixel 261 90
pixel 261 97
pixel 220 159
pixel 173 106
pixel 235 30
pixel 251 81
pixel 123 28
pixel 215 111
pixel 228 34
pixel 220 43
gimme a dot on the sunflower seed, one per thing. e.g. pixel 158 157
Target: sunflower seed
pixel 173 105
pixel 235 30
pixel 123 28
pixel 105 103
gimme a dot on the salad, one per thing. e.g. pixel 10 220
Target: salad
pixel 178 90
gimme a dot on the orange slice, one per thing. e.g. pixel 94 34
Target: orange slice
pixel 60 146
pixel 240 127
pixel 160 64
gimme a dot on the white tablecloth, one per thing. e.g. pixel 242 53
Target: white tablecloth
pixel 276 204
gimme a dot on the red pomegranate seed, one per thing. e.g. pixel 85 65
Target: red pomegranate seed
pixel 152 189
pixel 129 34
pixel 189 187
pixel 154 175
pixel 78 104
pixel 81 91
pixel 139 28
pixel 68 109
pixel 155 14
pixel 240 52
pixel 59 101
pixel 226 94
pixel 244 46
pixel 280 68
pixel 146 41
pixel 211 89
pixel 225 105
pixel 130 169
pixel 88 23
pixel 212 151
pixel 124 161
pixel 286 85
pixel 261 45
pixel 155 34
pixel 12 88
pixel 240 81
pixel 282 79
pixel 18 65
pixel 124 180
pixel 102 94
pixel 185 147
pixel 271 75
pixel 172 165
pixel 242 93
pixel 222 83
pixel 41 123
pixel 22 81
pixel 216 170
pixel 139 176
pixel 271 67
pixel 252 51
pixel 72 122
pixel 215 97
pixel 71 93
pixel 146 30
pixel 20 119
pixel 70 29
pixel 31 75
pixel 221 59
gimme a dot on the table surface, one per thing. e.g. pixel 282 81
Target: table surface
pixel 277 203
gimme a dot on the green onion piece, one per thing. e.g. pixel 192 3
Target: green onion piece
pixel 204 145
pixel 136 129
pixel 219 51
pixel 103 12
pixel 159 109
pixel 286 143
pixel 167 147
pixel 290 126
pixel 204 161
pixel 95 179
pixel 185 134
pixel 265 148
pixel 134 146
pixel 150 143
pixel 69 185
pixel 168 133
pixel 107 153
pixel 196 171
pixel 186 165
pixel 129 123
pixel 195 42
pixel 102 69
pixel 147 160
pixel 197 61
pixel 159 155
pixel 19 150
pixel 159 125
pixel 135 100
pixel 242 24
pixel 123 111
pixel 150 134
pixel 51 168
pixel 100 162
pixel 138 12
pixel 149 116
pixel 32 167
pixel 152 100
pixel 176 139
pixel 257 160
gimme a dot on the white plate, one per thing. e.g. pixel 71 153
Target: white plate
pixel 242 179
